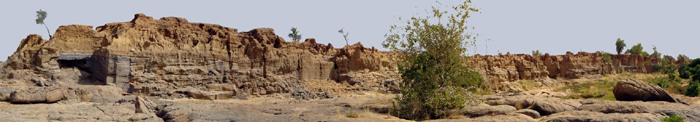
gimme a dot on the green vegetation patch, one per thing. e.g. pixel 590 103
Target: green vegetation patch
pixel 672 118
pixel 596 90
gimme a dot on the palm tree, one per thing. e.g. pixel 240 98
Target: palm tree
pixel 295 34
pixel 40 17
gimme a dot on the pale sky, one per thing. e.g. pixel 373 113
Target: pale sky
pixel 516 26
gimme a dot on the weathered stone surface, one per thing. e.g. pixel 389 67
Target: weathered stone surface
pixel 6 92
pixel 496 118
pixel 207 95
pixel 551 106
pixel 37 95
pixel 104 94
pixel 71 112
pixel 507 68
pixel 484 109
pixel 78 95
pixel 529 112
pixel 144 105
pixel 172 53
pixel 587 116
pixel 631 90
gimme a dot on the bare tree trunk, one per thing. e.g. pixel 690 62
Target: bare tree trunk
pixel 47 31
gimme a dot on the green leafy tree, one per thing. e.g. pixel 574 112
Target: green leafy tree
pixel 40 17
pixel 536 53
pixel 656 53
pixel 684 71
pixel 432 50
pixel 692 70
pixel 667 59
pixel 636 49
pixel 620 45
pixel 294 34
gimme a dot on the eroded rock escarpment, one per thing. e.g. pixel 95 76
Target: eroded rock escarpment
pixel 508 68
pixel 171 55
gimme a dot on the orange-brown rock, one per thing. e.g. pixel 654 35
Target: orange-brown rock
pixel 149 56
pixel 507 68
pixel 156 57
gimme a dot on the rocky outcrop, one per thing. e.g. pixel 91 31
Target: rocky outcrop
pixel 632 90
pixel 555 109
pixel 37 95
pixel 507 68
pixel 484 109
pixel 156 57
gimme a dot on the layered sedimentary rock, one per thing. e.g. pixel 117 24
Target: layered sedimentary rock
pixel 506 68
pixel 156 57
pixel 171 55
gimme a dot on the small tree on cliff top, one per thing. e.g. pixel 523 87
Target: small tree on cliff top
pixel 620 45
pixel 431 62
pixel 636 49
pixel 294 34
pixel 40 17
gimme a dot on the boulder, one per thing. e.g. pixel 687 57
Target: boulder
pixel 37 95
pixel 632 90
pixel 208 95
pixel 78 95
pixel 220 87
pixel 144 105
pixel 587 116
pixel 529 112
pixel 551 106
pixel 104 94
pixel 5 93
pixel 616 107
pixel 485 109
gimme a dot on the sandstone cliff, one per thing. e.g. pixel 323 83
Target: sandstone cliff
pixel 171 57
pixel 506 68
pixel 160 57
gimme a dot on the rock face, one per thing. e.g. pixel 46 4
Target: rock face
pixel 508 68
pixel 577 110
pixel 484 109
pixel 156 57
pixel 37 95
pixel 631 90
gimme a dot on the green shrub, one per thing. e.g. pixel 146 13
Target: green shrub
pixel 693 89
pixel 673 77
pixel 637 49
pixel 668 59
pixel 672 118
pixel 605 56
pixel 663 83
pixel 677 88
pixel 431 58
pixel 536 53
pixel 665 68
pixel 684 71
pixel 656 54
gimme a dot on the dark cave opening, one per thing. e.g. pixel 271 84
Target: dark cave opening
pixel 86 74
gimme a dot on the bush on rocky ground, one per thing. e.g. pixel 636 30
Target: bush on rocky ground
pixel 672 118
pixel 435 81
